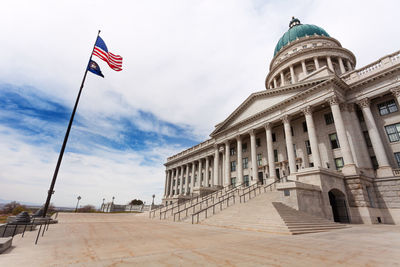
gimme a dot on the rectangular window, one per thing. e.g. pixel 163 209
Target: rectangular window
pixel 397 156
pixel 273 137
pixel 308 147
pixel 183 180
pixel 195 178
pixel 311 164
pixel 367 139
pixel 334 141
pixel 179 181
pixel 393 132
pixel 291 130
pixel 244 148
pixel 173 182
pixel 233 181
pixel 328 118
pixel 339 163
pixel 190 179
pixel 276 155
pixel 233 166
pixel 245 163
pixel 305 127
pixel 374 162
pixel 177 191
pixel 183 190
pixel 259 159
pixel 258 142
pixel 387 107
pixel 232 151
pixel 246 180
pixel 294 149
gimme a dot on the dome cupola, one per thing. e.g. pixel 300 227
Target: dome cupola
pixel 297 31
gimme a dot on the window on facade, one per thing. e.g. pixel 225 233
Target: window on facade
pixel 291 130
pixel 387 107
pixel 195 178
pixel 233 166
pixel 334 141
pixel 258 142
pixel 393 132
pixel 304 46
pixel 232 151
pixel 374 162
pixel 311 164
pixel 245 163
pixel 173 193
pixel 183 180
pixel 273 137
pixel 190 178
pixel 339 163
pixel 177 191
pixel 275 155
pixel 246 180
pixel 188 191
pixel 328 118
pixel 397 157
pixel 305 127
pixel 259 159
pixel 233 181
pixel 244 147
pixel 294 149
pixel 294 50
pixel 367 139
pixel 173 182
pixel 308 147
pixel 183 190
pixel 179 181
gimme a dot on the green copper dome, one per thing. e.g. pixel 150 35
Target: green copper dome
pixel 298 30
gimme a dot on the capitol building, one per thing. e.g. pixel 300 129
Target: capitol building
pixel 324 132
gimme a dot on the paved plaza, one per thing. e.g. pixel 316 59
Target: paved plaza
pixel 135 240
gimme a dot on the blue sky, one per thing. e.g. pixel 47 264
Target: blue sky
pixel 186 66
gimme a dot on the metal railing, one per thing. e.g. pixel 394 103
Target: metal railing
pixel 205 210
pixel 254 189
pixel 228 190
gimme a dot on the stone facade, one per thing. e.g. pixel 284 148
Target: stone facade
pixel 332 131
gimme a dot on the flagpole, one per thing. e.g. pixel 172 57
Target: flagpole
pixel 60 156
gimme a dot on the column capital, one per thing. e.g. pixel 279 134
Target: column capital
pixel 364 103
pixel 307 110
pixel 396 91
pixel 239 138
pixel 350 107
pixel 268 126
pixel 333 100
pixel 344 107
pixel 252 132
pixel 285 119
pixel 227 143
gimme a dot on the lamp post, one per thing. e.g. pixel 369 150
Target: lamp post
pixel 152 203
pixel 77 203
pixel 102 206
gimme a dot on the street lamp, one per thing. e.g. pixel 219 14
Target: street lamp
pixel 102 206
pixel 113 199
pixel 77 203
pixel 152 204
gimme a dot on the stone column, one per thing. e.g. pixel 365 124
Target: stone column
pixel 253 153
pixel 292 76
pixel 303 66
pixel 289 144
pixel 270 152
pixel 192 179
pixel 396 92
pixel 341 133
pixel 187 179
pixel 222 173
pixel 239 165
pixel 316 63
pixel 348 65
pixel 171 178
pixel 176 181
pixel 282 79
pixel 275 84
pixel 341 65
pixel 199 172
pixel 312 135
pixel 329 61
pixel 227 177
pixel 166 183
pixel 207 170
pixel 181 185
pixel 216 165
pixel 377 144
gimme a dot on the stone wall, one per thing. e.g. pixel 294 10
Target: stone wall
pixel 388 192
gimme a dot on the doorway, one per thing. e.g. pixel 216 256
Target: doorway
pixel 338 203
pixel 260 177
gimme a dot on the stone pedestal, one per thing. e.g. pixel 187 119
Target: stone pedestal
pixel 204 191
pixel 383 172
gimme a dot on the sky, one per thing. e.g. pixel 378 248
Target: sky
pixel 187 65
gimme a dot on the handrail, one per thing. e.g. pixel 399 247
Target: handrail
pixel 255 188
pixel 206 200
pixel 178 206
pixel 213 206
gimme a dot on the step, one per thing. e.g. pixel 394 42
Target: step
pixel 5 243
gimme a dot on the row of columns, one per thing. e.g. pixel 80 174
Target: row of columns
pixel 304 70
pixel 347 153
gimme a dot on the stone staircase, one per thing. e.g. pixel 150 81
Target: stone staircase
pixel 264 214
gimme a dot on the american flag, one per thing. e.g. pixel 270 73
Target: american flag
pixel 100 50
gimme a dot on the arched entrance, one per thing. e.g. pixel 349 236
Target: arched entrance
pixel 338 203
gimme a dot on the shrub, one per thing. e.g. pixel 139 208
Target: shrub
pixel 87 208
pixel 136 202
pixel 18 209
pixel 9 207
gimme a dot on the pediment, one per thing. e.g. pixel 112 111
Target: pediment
pixel 318 74
pixel 259 102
